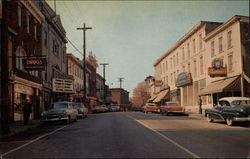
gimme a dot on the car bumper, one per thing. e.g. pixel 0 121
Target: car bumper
pixel 54 119
pixel 241 119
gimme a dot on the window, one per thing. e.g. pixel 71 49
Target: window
pixel 229 39
pixel 174 60
pixel 188 47
pixel 35 32
pixel 189 68
pixel 167 79
pixel 177 58
pixel 183 54
pixel 19 59
pixel 230 63
pixel 220 45
pixel 194 47
pixel 174 77
pixel 212 49
pixel 183 68
pixel 19 15
pixel 28 22
pixel 163 68
pixel 171 63
pixel 201 65
pixel 166 65
pixel 171 78
pixel 200 41
pixel 45 38
pixel 195 69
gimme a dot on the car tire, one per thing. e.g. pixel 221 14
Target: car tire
pixel 229 121
pixel 209 119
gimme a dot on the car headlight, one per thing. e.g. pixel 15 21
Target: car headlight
pixel 241 110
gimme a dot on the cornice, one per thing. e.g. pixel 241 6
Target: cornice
pixel 33 10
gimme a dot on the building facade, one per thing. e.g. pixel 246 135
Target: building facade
pixel 100 88
pixel 120 96
pixel 24 42
pixel 187 67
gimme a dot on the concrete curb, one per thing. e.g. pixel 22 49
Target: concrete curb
pixel 197 116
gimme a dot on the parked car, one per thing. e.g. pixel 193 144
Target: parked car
pixel 150 107
pixel 230 110
pixel 82 111
pixel 61 111
pixel 171 108
pixel 136 108
pixel 115 108
pixel 100 109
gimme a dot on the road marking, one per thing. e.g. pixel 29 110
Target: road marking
pixel 36 139
pixel 165 137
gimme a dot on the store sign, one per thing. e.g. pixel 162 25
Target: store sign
pixel 34 63
pixel 183 79
pixel 217 69
pixel 63 85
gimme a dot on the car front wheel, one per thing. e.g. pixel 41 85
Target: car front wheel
pixel 229 121
pixel 209 119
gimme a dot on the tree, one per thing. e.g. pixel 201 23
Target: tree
pixel 140 94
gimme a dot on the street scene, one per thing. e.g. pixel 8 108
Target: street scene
pixel 124 79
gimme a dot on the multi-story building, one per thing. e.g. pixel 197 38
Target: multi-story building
pixel 100 88
pixel 120 96
pixel 227 60
pixel 186 67
pixel 54 49
pixel 75 69
pixel 24 43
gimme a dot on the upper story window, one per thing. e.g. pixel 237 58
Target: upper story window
pixel 19 15
pixel 200 41
pixel 171 63
pixel 45 38
pixel 166 65
pixel 189 70
pixel 229 39
pixel 230 63
pixel 201 65
pixel 195 69
pixel 177 58
pixel 28 22
pixel 183 54
pixel 174 60
pixel 183 68
pixel 188 49
pixel 35 31
pixel 220 44
pixel 212 49
pixel 194 47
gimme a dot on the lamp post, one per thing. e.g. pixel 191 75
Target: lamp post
pixel 84 58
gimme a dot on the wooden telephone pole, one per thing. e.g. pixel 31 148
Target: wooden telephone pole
pixel 104 80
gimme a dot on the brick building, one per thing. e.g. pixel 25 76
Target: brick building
pixel 120 97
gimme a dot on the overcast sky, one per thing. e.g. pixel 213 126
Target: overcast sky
pixel 131 35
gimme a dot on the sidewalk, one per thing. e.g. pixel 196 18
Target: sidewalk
pixel 18 127
pixel 197 116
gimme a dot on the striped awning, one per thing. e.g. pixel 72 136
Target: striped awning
pixel 161 95
pixel 224 85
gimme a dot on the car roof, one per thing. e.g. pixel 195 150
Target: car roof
pixel 231 99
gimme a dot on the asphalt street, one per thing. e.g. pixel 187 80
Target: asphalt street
pixel 135 135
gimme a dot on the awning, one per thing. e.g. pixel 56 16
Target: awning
pixel 225 85
pixel 151 99
pixel 161 96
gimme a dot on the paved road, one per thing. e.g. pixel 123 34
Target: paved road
pixel 134 134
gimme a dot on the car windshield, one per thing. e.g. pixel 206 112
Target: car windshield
pixel 60 105
pixel 241 102
pixel 171 104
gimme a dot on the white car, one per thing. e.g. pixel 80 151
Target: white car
pixel 82 111
pixel 61 111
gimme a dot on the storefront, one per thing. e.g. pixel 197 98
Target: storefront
pixel 162 97
pixel 184 81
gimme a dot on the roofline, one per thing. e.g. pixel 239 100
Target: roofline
pixel 181 40
pixel 224 25
pixel 70 55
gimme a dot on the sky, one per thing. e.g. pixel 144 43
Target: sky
pixel 132 35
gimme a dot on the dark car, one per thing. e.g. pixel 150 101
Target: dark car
pixel 136 109
pixel 231 110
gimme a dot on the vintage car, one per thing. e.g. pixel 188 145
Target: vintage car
pixel 99 109
pixel 61 111
pixel 136 108
pixel 114 108
pixel 82 111
pixel 150 107
pixel 231 110
pixel 171 108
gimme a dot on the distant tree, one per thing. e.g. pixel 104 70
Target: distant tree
pixel 140 94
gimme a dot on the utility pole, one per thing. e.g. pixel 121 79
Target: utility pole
pixel 104 80
pixel 84 58
pixel 55 5
pixel 4 98
pixel 120 80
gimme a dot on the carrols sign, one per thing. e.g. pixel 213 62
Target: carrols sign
pixel 34 63
pixel 63 85
pixel 217 69
pixel 183 79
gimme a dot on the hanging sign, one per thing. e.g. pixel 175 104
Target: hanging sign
pixel 217 69
pixel 34 63
pixel 63 85
pixel 183 79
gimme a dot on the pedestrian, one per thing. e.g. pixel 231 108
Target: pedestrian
pixel 27 109
pixel 200 105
